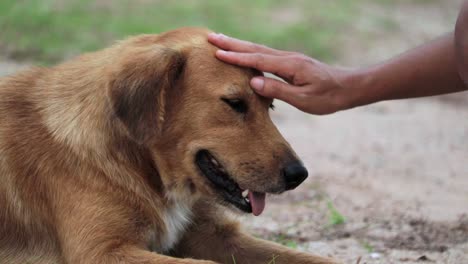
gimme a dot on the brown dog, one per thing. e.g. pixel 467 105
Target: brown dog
pixel 127 154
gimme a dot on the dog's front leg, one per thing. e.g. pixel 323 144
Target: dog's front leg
pixel 214 237
pixel 96 229
pixel 129 254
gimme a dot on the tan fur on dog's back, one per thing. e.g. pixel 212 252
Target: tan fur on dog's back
pixel 43 135
pixel 97 157
pixel 26 226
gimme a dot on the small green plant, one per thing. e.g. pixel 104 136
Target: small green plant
pixel 285 241
pixel 291 244
pixel 368 246
pixel 336 218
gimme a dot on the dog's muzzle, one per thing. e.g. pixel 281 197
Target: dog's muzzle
pixel 246 200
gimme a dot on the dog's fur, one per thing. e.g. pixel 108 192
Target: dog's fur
pixel 97 157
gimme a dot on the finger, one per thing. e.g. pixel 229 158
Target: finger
pixel 274 89
pixel 237 45
pixel 278 65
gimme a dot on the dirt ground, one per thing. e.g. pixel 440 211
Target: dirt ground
pixel 397 172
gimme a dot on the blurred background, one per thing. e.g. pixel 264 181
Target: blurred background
pixel 388 182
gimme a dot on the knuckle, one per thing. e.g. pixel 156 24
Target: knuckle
pixel 253 47
pixel 259 60
pixel 256 47
pixel 296 61
pixel 299 65
pixel 304 60
pixel 301 59
pixel 301 77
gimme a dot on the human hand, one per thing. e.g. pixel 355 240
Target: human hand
pixel 311 86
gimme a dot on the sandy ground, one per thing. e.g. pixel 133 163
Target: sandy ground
pixel 397 171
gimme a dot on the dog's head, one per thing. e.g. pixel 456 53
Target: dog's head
pixel 209 133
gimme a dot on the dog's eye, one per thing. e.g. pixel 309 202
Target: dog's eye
pixel 237 104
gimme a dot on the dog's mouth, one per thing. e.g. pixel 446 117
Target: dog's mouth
pixel 247 201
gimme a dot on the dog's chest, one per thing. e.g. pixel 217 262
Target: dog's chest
pixel 176 219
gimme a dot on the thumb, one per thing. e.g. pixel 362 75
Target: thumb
pixel 273 88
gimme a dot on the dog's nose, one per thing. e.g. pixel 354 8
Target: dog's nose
pixel 294 174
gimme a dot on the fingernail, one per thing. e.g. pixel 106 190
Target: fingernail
pixel 257 83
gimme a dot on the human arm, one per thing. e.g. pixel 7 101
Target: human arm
pixel 430 69
pixel 318 88
pixel 461 42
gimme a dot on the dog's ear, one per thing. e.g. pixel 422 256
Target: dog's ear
pixel 138 89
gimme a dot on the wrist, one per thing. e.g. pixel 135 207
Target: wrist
pixel 353 85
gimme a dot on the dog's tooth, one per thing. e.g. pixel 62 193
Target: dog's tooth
pixel 245 193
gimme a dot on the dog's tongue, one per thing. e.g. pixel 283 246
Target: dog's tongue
pixel 257 200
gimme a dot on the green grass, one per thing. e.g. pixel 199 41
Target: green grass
pixel 368 246
pixel 49 30
pixel 335 218
pixel 285 241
